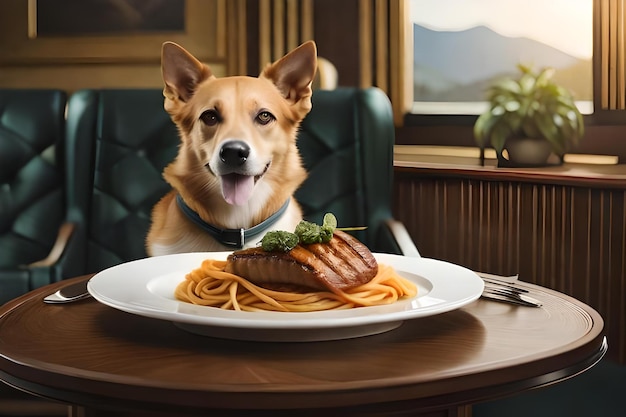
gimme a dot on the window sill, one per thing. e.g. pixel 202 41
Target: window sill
pixel 465 162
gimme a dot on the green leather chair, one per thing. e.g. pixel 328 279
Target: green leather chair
pixel 119 141
pixel 346 143
pixel 32 199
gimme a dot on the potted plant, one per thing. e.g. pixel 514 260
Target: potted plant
pixel 531 117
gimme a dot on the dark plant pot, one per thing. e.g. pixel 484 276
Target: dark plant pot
pixel 528 152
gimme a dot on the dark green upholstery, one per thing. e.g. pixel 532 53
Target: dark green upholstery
pixel 32 206
pixel 346 143
pixel 119 141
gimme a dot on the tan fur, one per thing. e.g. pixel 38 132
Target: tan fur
pixel 284 90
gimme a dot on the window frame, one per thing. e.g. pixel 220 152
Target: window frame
pixel 605 127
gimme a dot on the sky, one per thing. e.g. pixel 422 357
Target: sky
pixel 564 24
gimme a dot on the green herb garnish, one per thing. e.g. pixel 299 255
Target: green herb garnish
pixel 330 221
pixel 279 241
pixel 306 233
pixel 310 233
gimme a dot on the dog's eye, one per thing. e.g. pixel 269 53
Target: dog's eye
pixel 265 117
pixel 210 117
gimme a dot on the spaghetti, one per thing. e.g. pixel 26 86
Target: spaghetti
pixel 210 285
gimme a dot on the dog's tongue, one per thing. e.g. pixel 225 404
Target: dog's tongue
pixel 237 188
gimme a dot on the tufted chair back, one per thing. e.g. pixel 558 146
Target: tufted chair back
pixel 32 204
pixel 346 143
pixel 120 142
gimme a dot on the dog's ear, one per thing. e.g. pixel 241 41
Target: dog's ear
pixel 182 73
pixel 294 73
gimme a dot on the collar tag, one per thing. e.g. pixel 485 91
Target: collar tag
pixel 232 237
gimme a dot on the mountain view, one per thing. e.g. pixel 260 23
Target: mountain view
pixel 459 66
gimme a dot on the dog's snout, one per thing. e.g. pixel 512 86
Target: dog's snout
pixel 235 153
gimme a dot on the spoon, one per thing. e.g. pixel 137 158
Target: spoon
pixel 69 293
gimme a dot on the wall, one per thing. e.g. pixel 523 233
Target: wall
pixel 125 59
pixel 561 232
pixel 235 37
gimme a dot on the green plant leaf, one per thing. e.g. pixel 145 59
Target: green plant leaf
pixel 532 105
pixel 544 78
pixel 549 131
pixel 480 129
pixel 527 83
pixel 507 86
pixel 499 134
pixel 485 125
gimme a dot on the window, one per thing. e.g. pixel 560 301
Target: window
pixel 461 46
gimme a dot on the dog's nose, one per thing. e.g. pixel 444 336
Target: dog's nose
pixel 235 153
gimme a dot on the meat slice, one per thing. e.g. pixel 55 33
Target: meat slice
pixel 342 263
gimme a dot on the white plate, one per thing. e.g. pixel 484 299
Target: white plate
pixel 146 287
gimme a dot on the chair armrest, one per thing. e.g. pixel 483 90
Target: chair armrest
pixel 402 238
pixel 63 237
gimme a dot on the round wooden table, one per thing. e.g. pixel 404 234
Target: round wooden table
pixel 108 362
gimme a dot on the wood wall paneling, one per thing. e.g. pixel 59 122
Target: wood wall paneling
pixel 112 61
pixel 275 28
pixel 612 16
pixel 235 34
pixel 566 237
pixel 336 28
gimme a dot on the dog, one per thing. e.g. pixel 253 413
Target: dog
pixel 238 165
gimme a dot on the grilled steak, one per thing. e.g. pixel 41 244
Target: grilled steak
pixel 342 263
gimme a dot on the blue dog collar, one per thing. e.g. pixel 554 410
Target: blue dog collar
pixel 234 238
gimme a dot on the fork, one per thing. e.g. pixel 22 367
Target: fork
pixel 504 290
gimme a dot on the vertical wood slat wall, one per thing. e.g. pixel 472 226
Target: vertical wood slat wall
pixel 384 50
pixel 611 47
pixel 571 239
pixel 235 11
pixel 283 25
